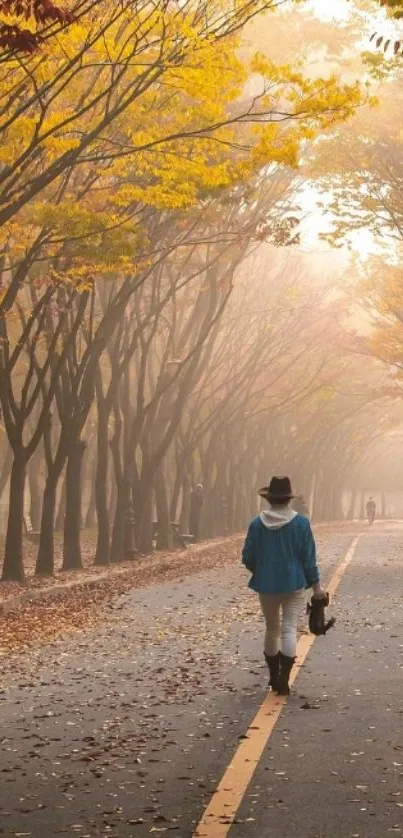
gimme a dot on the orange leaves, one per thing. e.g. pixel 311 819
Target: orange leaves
pixel 41 10
pixel 395 10
pixel 21 39
pixel 386 43
pixel 44 621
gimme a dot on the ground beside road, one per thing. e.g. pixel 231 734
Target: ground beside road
pixel 126 729
pixel 49 607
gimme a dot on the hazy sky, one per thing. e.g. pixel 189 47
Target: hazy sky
pixel 340 9
pixel 329 9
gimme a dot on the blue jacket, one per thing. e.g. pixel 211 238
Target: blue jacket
pixel 282 557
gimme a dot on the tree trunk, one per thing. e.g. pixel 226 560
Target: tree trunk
pixel 317 498
pixel 112 496
pixel 102 556
pixel 335 511
pixel 72 523
pixel 118 529
pixel 240 510
pixel 90 518
pixel 185 511
pixel 121 493
pixel 144 517
pixel 45 559
pixel 13 567
pixel 6 470
pixel 362 506
pixel 352 505
pixel 327 511
pixel 123 544
pixel 130 526
pixel 176 491
pixel 34 493
pixel 61 512
pixel 313 498
pixel 164 539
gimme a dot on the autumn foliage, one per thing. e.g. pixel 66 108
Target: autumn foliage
pixel 143 155
pixel 28 20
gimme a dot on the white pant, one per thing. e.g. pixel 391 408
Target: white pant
pixel 281 634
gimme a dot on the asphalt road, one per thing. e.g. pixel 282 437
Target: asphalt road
pixel 127 731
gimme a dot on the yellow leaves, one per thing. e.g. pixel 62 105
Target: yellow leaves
pixel 29 130
pixel 309 105
pixel 15 20
pixel 381 292
pixel 275 73
pixel 68 219
pixel 85 287
pixel 275 146
pixel 92 238
pixel 211 77
pixel 54 120
pixel 20 133
pixel 327 100
pixel 57 146
pixel 181 196
pixel 186 134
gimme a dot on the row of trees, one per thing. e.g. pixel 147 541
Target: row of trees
pixel 136 173
pixel 221 381
pixel 148 334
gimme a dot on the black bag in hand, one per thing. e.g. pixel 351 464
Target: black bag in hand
pixel 317 616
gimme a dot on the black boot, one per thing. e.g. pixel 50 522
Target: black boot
pixel 286 665
pixel 273 662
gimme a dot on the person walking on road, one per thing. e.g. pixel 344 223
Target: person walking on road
pixel 280 553
pixel 371 511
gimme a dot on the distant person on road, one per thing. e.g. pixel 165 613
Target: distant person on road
pixel 371 511
pixel 280 553
pixel 196 506
pixel 300 506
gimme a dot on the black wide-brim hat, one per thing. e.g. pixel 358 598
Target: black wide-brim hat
pixel 279 489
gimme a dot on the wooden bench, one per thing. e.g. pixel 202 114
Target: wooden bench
pixel 29 530
pixel 179 539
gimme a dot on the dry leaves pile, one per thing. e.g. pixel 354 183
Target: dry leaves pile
pixel 73 602
pixel 9 590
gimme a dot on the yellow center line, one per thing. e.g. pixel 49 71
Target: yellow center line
pixel 220 814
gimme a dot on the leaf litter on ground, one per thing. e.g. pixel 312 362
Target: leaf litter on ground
pixel 79 601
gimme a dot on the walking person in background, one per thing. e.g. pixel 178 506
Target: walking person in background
pixel 196 505
pixel 371 511
pixel 280 553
